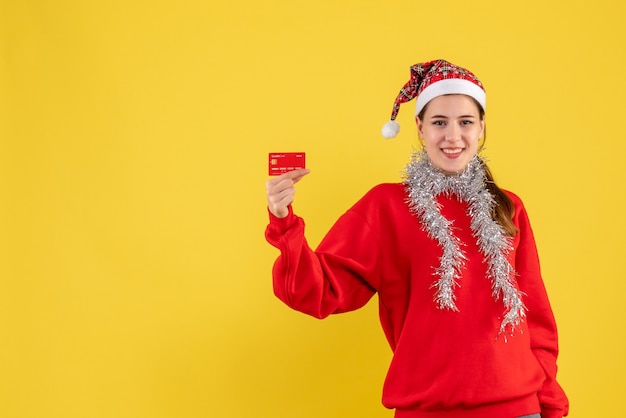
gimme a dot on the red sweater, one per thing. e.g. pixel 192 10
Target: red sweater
pixel 445 363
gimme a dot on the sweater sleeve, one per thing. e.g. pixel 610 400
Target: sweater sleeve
pixel 541 322
pixel 337 277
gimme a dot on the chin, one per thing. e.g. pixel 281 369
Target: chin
pixel 452 168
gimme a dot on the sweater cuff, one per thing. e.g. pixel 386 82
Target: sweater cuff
pixel 278 226
pixel 275 220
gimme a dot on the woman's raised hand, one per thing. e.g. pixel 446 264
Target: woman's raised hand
pixel 280 191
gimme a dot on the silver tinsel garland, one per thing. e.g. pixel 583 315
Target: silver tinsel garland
pixel 424 183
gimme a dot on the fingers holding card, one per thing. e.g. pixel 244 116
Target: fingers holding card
pixel 288 169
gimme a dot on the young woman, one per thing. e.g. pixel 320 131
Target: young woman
pixel 452 258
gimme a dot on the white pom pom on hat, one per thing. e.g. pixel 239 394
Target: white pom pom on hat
pixel 432 79
pixel 391 129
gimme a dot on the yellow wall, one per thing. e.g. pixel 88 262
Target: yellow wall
pixel 134 277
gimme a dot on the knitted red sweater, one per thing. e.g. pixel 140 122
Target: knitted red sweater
pixel 445 363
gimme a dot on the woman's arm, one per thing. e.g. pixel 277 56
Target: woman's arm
pixel 541 322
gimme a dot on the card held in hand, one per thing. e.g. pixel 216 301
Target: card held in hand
pixel 282 162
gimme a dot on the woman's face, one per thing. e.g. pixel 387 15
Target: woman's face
pixel 451 129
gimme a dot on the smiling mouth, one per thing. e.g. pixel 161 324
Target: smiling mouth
pixel 452 151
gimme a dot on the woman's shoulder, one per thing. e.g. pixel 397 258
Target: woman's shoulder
pixel 382 194
pixel 386 191
pixel 385 188
pixel 514 197
pixel 518 204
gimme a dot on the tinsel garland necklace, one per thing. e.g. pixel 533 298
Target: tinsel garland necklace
pixel 424 183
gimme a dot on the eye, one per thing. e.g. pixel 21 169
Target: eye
pixel 467 122
pixel 438 123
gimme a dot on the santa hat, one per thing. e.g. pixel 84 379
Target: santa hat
pixel 429 80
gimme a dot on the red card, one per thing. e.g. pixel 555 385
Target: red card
pixel 282 162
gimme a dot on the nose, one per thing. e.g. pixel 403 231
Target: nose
pixel 453 133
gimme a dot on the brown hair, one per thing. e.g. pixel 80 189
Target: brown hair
pixel 504 209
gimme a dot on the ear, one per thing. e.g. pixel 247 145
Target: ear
pixel 420 127
pixel 482 126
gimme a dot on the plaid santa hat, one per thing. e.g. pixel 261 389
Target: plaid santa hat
pixel 429 80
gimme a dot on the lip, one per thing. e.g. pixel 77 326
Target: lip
pixel 452 153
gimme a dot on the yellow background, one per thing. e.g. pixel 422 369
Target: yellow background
pixel 134 276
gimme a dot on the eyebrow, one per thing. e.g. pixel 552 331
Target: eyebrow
pixel 445 117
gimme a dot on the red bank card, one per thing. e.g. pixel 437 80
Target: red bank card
pixel 282 162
